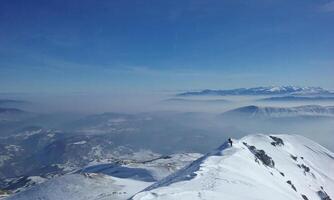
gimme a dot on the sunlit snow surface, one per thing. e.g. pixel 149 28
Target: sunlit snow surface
pixel 302 170
pixel 81 187
pixel 107 180
pixel 279 167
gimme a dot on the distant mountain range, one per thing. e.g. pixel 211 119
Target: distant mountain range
pixel 12 102
pixel 299 111
pixel 271 90
pixel 10 111
pixel 185 100
pixel 13 115
pixel 299 98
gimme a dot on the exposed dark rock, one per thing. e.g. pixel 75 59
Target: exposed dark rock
pixel 294 157
pixel 332 157
pixel 302 157
pixel 293 187
pixel 313 176
pixel 304 167
pixel 261 155
pixel 304 197
pixel 282 173
pixel 323 195
pixel 17 183
pixel 151 160
pixel 4 192
pixel 277 141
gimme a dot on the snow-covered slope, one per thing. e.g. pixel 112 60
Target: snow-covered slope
pixel 255 167
pixel 132 175
pixel 146 170
pixel 163 166
pixel 83 186
pixel 16 185
pixel 259 112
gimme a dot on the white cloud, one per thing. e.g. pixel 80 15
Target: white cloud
pixel 328 7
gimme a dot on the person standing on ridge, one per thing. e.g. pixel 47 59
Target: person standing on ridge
pixel 230 141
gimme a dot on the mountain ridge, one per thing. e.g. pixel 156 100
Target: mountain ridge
pixel 269 90
pixel 271 111
pixel 255 167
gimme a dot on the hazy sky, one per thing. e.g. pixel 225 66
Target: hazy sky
pixel 114 45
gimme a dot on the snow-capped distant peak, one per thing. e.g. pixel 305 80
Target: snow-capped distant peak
pixel 270 90
pixel 255 167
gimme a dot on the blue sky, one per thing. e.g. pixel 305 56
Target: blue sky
pixel 60 46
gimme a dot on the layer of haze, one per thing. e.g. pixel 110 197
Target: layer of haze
pixel 184 117
pixel 79 58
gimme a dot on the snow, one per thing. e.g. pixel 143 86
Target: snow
pixel 13 148
pixel 3 159
pixel 27 182
pixel 51 135
pixel 37 179
pixel 151 169
pixel 164 166
pixel 66 167
pixel 271 90
pixel 257 167
pixel 134 175
pixel 83 186
pixel 80 142
pixel 233 173
pixel 114 121
pixel 275 89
